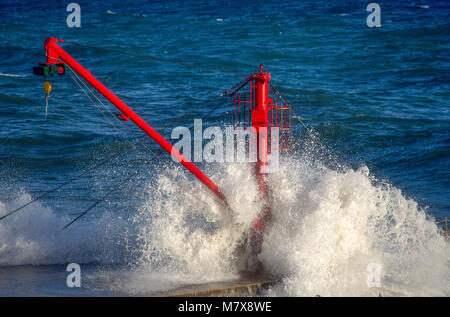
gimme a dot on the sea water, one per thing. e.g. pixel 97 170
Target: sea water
pixel 364 188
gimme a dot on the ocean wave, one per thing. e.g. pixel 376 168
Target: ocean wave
pixel 34 236
pixel 328 226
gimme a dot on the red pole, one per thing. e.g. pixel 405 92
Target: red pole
pixel 54 52
pixel 260 121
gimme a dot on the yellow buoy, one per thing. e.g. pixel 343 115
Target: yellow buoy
pixel 47 88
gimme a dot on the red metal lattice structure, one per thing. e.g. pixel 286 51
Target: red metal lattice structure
pixel 279 115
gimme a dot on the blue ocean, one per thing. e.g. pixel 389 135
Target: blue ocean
pixel 366 185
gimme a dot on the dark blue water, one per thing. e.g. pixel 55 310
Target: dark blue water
pixel 373 96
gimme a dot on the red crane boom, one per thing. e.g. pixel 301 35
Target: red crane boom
pixel 56 55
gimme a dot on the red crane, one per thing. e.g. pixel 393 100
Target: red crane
pixel 262 114
pixel 56 57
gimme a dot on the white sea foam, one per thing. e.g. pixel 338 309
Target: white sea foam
pixel 327 227
pixel 34 236
pixel 10 75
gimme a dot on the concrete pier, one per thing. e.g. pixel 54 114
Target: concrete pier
pixel 224 289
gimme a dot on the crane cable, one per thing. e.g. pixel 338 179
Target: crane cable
pixel 308 130
pixel 242 84
pixel 155 156
pixel 225 93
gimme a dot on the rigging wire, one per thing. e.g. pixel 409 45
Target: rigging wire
pixel 94 167
pixel 60 186
pixel 100 200
pixel 139 140
pixel 132 174
pixel 227 92
pixel 99 110
pixel 78 80
pixel 310 132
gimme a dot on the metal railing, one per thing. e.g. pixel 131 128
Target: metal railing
pixel 443 223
